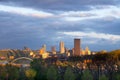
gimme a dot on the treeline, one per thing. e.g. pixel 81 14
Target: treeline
pixel 101 66
pixel 66 70
pixel 101 57
pixel 112 57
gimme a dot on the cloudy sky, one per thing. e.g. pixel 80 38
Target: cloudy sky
pixel 33 23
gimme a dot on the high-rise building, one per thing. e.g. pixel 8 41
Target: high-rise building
pixel 41 51
pixel 44 48
pixel 53 48
pixel 76 47
pixel 62 48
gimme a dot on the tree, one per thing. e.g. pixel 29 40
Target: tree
pixel 117 76
pixel 30 74
pixel 3 73
pixel 103 77
pixel 22 74
pixel 87 75
pixel 69 75
pixel 10 70
pixel 52 73
pixel 100 57
pixel 39 66
pixel 115 56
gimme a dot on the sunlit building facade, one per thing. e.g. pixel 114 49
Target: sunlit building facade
pixel 62 48
pixel 45 55
pixel 86 51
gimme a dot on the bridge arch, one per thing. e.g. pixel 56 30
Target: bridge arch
pixel 20 58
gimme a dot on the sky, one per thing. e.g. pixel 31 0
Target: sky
pixel 33 23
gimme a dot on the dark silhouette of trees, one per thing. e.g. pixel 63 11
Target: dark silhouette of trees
pixel 40 67
pixel 69 75
pixel 12 72
pixel 3 73
pixel 52 73
pixel 117 76
pixel 103 77
pixel 87 75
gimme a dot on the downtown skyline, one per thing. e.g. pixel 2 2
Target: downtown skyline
pixel 33 23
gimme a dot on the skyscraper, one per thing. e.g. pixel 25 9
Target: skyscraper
pixel 44 47
pixel 53 48
pixel 62 48
pixel 76 47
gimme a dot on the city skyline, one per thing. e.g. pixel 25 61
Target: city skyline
pixel 33 23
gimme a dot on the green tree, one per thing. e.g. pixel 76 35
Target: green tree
pixel 87 75
pixel 22 74
pixel 39 66
pixel 3 73
pixel 69 75
pixel 30 74
pixel 117 76
pixel 10 70
pixel 103 77
pixel 52 73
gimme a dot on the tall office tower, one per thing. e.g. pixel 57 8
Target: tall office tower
pixel 53 48
pixel 76 47
pixel 62 48
pixel 44 48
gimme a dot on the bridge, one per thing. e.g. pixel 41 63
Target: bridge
pixel 22 61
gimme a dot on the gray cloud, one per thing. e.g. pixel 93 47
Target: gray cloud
pixel 60 5
pixel 18 30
